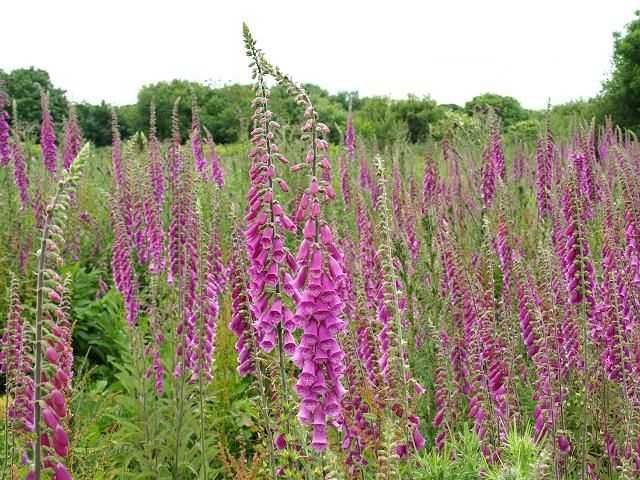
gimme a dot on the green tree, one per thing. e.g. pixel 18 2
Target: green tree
pixel 376 119
pixel 507 108
pixel 622 90
pixel 164 95
pixel 95 122
pixel 24 85
pixel 419 114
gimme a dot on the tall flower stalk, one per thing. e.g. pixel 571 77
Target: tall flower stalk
pixel 49 290
pixel 270 263
pixel 400 377
pixel 48 136
pixel 318 279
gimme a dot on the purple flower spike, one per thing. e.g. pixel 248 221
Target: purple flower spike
pixel 48 137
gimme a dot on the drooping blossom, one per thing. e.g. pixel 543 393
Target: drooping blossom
pixel 545 154
pixel 214 285
pixel 365 174
pixel 497 152
pixel 184 256
pixel 152 227
pixel 16 364
pixel 270 262
pixel 488 177
pixel 350 136
pixel 345 181
pixel 429 184
pixel 4 135
pixel 242 319
pixel 20 173
pixel 72 138
pixel 122 268
pixel 217 173
pixel 393 360
pixel 319 305
pixel 48 136
pixel 153 349
pixel 579 271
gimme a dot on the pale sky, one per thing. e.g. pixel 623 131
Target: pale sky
pixel 449 49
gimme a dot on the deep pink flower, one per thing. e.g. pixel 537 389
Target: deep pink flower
pixel 4 137
pixel 350 137
pixel 20 173
pixel 72 139
pixel 48 136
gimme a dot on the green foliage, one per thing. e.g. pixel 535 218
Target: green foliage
pixel 24 85
pixel 164 95
pixel 462 459
pixel 525 130
pixel 622 90
pixel 507 108
pixel 94 120
pixel 418 114
pixel 99 327
pixel 376 120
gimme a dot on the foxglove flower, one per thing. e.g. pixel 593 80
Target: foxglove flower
pixel 579 268
pixel 488 179
pixel 429 184
pixel 214 285
pixel 72 139
pixel 345 181
pixel 545 154
pixel 20 173
pixel 122 268
pixel 350 136
pixel 217 173
pixel 270 263
pixel 365 174
pixel 242 320
pixel 48 136
pixel 4 136
pixel 16 364
pixel 319 276
pixel 496 152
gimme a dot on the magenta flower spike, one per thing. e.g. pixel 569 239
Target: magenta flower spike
pixel 217 173
pixel 20 173
pixel 429 184
pixel 345 181
pixel 5 133
pixel 48 136
pixel 123 273
pixel 72 139
pixel 488 174
pixel 497 153
pixel 350 136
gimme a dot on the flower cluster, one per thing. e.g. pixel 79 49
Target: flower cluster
pixel 72 139
pixel 48 136
pixel 4 134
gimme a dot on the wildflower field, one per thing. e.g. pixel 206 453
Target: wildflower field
pixel 463 308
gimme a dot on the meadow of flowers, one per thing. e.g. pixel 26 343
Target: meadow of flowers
pixel 469 308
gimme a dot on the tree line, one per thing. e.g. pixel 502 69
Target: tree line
pixel 226 111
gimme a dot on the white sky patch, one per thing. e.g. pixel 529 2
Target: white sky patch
pixel 451 50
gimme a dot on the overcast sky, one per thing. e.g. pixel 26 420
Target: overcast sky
pixel 449 49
